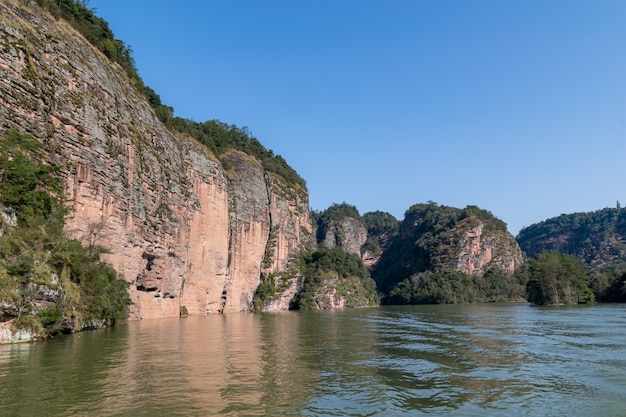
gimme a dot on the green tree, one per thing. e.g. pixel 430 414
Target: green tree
pixel 444 286
pixel 27 184
pixel 350 278
pixel 557 278
pixel 609 285
pixel 48 281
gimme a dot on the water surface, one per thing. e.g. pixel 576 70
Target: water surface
pixel 482 360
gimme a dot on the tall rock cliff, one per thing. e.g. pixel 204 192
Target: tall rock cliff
pixel 186 233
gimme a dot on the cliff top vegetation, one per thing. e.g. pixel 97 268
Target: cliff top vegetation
pixel 440 217
pixel 597 238
pixel 382 227
pixel 337 212
pixel 426 240
pixel 214 134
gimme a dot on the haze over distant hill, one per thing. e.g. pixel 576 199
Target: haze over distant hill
pixel 597 238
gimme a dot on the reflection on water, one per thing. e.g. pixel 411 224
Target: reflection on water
pixel 486 360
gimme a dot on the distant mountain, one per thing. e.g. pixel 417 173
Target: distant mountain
pixel 597 238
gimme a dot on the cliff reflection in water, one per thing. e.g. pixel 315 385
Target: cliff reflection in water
pixel 486 360
pixel 233 364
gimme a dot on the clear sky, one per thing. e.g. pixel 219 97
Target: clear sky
pixel 516 106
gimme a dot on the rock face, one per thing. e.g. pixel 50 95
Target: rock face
pixel 347 233
pixel 183 231
pixel 433 237
pixel 476 251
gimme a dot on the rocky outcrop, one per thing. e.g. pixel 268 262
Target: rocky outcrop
pixel 328 297
pixel 335 293
pixel 476 251
pixel 183 231
pixel 10 335
pixel 290 230
pixel 347 233
pixel 433 237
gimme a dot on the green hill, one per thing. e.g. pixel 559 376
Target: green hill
pixel 597 238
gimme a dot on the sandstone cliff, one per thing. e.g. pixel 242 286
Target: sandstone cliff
pixel 183 231
pixel 474 250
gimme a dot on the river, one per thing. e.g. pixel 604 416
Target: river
pixel 458 360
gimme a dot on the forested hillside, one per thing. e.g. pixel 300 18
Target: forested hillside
pixel 445 254
pixel 597 238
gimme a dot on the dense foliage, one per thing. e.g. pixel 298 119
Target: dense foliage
pixel 427 240
pixel 382 227
pixel 338 270
pixel 597 238
pixel 48 282
pixel 557 278
pixel 335 213
pixel 609 285
pixel 216 135
pixel 446 286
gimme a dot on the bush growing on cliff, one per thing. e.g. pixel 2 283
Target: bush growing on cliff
pixel 28 185
pixel 48 282
pixel 349 276
pixel 214 134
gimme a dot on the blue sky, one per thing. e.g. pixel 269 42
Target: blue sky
pixel 516 106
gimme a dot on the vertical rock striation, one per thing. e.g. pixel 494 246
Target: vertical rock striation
pixel 476 251
pixel 184 232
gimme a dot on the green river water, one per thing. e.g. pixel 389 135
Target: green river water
pixel 467 360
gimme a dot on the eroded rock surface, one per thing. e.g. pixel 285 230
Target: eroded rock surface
pixel 183 231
